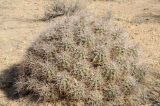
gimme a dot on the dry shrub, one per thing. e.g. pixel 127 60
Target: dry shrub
pixel 82 58
pixel 65 7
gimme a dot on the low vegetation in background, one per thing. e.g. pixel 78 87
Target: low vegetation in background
pixel 83 59
pixel 65 7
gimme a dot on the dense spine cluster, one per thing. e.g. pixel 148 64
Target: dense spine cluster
pixel 82 58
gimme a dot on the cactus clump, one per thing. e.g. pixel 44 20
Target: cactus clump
pixel 82 58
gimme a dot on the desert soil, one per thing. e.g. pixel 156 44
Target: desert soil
pixel 19 27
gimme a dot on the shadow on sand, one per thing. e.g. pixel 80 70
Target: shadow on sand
pixel 8 79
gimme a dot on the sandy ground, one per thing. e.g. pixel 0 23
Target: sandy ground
pixel 19 27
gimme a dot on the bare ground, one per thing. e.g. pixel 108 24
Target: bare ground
pixel 19 27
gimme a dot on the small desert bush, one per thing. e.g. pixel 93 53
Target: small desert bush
pixel 82 58
pixel 64 7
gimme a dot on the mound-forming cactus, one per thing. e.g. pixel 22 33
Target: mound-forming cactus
pixel 82 58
